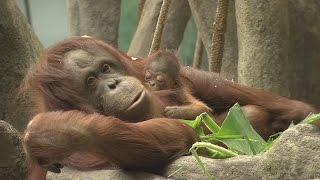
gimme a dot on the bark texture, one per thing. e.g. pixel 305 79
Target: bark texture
pixel 263 34
pixel 203 13
pixel 12 159
pixel 98 18
pixel 19 46
pixel 304 50
pixel 177 19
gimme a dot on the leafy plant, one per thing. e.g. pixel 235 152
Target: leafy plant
pixel 236 133
pixel 311 118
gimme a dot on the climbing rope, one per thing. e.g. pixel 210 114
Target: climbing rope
pixel 155 46
pixel 219 28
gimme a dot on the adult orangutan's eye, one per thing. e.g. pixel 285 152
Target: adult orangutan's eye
pixel 106 68
pixel 91 81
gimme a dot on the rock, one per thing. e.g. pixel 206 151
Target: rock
pixel 72 174
pixel 295 155
pixel 12 158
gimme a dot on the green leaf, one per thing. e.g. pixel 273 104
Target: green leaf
pixel 247 140
pixel 291 125
pixel 270 143
pixel 311 118
pixel 201 164
pixel 195 124
pixel 210 146
pixel 210 123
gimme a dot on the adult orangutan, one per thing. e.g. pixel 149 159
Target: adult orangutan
pixel 92 99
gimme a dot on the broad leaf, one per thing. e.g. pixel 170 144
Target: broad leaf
pixel 237 125
pixel 195 124
pixel 311 118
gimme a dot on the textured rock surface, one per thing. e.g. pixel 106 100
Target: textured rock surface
pixel 12 158
pixel 71 174
pixel 296 155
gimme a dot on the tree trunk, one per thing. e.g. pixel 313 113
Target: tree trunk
pixel 12 165
pixel 97 18
pixel 203 14
pixel 19 46
pixel 229 68
pixel 263 35
pixel 304 54
pixel 178 17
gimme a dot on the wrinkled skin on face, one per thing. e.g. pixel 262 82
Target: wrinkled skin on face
pixel 105 83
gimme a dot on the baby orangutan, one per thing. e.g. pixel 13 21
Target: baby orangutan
pixel 162 72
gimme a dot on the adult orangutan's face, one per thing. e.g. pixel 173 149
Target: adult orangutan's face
pixel 103 80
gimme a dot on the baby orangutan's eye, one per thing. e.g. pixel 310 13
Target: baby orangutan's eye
pixel 160 78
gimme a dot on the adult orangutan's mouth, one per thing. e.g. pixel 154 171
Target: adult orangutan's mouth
pixel 138 99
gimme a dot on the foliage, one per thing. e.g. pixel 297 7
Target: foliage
pixel 311 118
pixel 236 134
